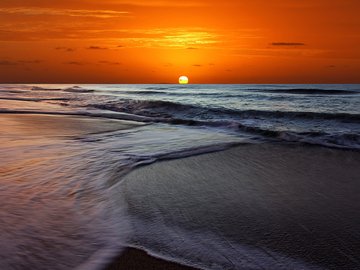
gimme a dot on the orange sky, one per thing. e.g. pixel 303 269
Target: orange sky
pixel 144 41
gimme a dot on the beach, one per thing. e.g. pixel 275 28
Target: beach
pixel 179 135
pixel 93 180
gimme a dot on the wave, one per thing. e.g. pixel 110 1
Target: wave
pixel 233 120
pixel 157 88
pixel 73 89
pixel 34 99
pixel 38 88
pixel 78 89
pixel 168 109
pixel 302 91
pixel 144 92
pixel 111 115
pixel 339 140
pixel 342 140
pixel 13 91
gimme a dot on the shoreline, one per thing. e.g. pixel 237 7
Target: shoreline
pixel 137 259
pixel 27 124
pixel 253 206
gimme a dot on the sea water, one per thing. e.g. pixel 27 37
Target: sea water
pixel 59 205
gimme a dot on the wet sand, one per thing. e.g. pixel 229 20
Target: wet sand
pixel 267 206
pixel 58 125
pixel 135 259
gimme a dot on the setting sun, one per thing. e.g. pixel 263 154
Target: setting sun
pixel 183 80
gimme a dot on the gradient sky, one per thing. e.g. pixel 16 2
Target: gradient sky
pixel 140 41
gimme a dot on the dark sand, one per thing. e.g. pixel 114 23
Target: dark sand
pixel 134 259
pixel 261 206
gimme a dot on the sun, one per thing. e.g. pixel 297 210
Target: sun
pixel 183 80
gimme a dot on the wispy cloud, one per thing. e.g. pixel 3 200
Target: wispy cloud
pixel 168 37
pixel 29 61
pixel 74 63
pixel 7 63
pixel 288 44
pixel 64 12
pixel 109 63
pixel 65 49
pixel 96 48
pixel 18 62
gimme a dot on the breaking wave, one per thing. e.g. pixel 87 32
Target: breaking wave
pixel 172 109
pixel 306 91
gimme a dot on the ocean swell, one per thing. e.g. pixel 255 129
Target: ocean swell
pixel 172 109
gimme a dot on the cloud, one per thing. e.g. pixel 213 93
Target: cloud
pixel 7 63
pixel 96 48
pixel 29 61
pixel 197 65
pixel 35 11
pixel 169 37
pixel 74 63
pixel 109 63
pixel 65 49
pixel 191 48
pixel 289 44
pixel 18 62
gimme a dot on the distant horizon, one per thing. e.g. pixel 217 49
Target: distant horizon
pixel 84 83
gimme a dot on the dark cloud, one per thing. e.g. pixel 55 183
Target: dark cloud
pixel 292 44
pixel 191 48
pixel 120 46
pixel 7 63
pixel 96 48
pixel 197 65
pixel 75 63
pixel 65 49
pixel 18 62
pixel 29 61
pixel 109 63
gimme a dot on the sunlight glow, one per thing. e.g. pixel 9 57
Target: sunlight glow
pixel 183 80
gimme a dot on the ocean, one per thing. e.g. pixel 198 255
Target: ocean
pixel 326 115
pixel 59 188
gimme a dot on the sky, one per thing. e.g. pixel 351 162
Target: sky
pixel 144 41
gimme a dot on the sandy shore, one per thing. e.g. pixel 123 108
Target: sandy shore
pixel 251 207
pixel 267 206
